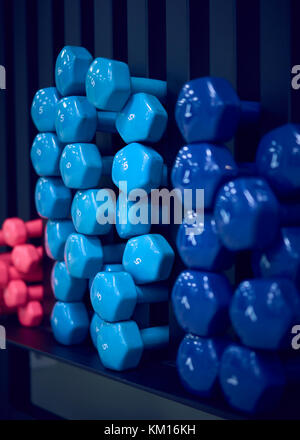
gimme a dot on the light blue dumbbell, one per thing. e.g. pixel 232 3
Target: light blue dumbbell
pixel 95 327
pixel 43 109
pixel 108 268
pixel 82 166
pixel 109 85
pixel 65 287
pixel 52 198
pixel 88 215
pixel 70 322
pixel 121 345
pixel 114 295
pixel 45 154
pixel 71 68
pixel 143 119
pixel 84 256
pixel 56 234
pixel 127 215
pixel 140 166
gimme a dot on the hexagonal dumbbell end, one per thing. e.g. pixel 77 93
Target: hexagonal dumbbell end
pixel 31 315
pixel 140 166
pixel 132 218
pixel 212 165
pixel 18 294
pixel 277 159
pixel 26 257
pixel 9 273
pixel 208 109
pixel 109 86
pixel 148 258
pixel 251 381
pixel 89 209
pixel 121 345
pixel 71 68
pixel 84 256
pixel 43 109
pixel 199 245
pixel 15 231
pixel 52 198
pixel 263 312
pixel 282 258
pixel 56 234
pixel 201 301
pixel 95 328
pixel 198 363
pixel 45 154
pixel 64 286
pixel 70 323
pixel 114 295
pixel 82 166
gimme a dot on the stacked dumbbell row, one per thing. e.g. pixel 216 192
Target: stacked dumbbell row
pixel 245 214
pixel 66 161
pixel 19 269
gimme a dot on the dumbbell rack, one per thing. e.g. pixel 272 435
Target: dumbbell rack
pixel 238 40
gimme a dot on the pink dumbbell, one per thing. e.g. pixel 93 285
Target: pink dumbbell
pixel 18 294
pixel 9 273
pixel 26 257
pixel 15 231
pixel 31 315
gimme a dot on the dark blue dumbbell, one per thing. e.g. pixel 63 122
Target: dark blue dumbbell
pixel 56 234
pixel 45 154
pixel 263 311
pixel 200 302
pixel 43 109
pixel 52 198
pixel 70 322
pixel 65 287
pixel 209 110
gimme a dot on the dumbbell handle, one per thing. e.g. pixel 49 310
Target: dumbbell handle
pixel 106 122
pixel 5 257
pixel 155 87
pixel 112 253
pixel 250 112
pixel 155 337
pixel 151 294
pixel 34 228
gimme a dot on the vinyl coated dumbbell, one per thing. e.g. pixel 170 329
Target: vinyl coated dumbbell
pixel 88 211
pixel 121 345
pixel 132 218
pixel 69 322
pixel 143 119
pixel 43 109
pixel 45 154
pixel 15 231
pixel 201 301
pixel 65 287
pixel 56 234
pixel 18 294
pixel 82 166
pixel 140 166
pixel 52 198
pixel 248 215
pixel 209 110
pixel 95 328
pixel 31 315
pixel 199 245
pixel 26 257
pixel 114 295
pixel 263 311
pixel 109 85
pixel 71 68
pixel 9 273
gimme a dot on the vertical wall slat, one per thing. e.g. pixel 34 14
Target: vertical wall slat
pixel 45 43
pixel 72 13
pixel 295 58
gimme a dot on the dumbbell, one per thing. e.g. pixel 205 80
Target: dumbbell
pixel 201 301
pixel 263 311
pixel 140 166
pixel 56 234
pixel 9 273
pixel 5 256
pixel 88 210
pixel 26 257
pixel 69 322
pixel 199 245
pixel 85 255
pixel 65 287
pixel 209 110
pixel 95 327
pixel 114 295
pixel 43 109
pixel 248 215
pixel 18 294
pixel 45 154
pixel 282 258
pixel 121 345
pixel 52 198
pixel 31 315
pixel 71 68
pixel 143 119
pixel 132 218
pixel 15 231
pixel 109 85
pixel 82 166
